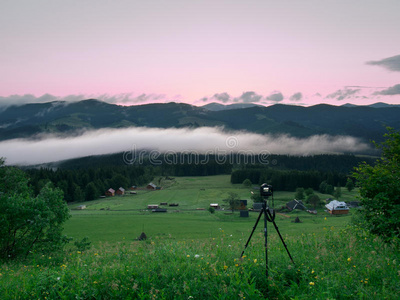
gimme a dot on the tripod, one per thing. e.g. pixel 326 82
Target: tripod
pixel 269 215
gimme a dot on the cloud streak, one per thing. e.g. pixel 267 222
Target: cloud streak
pixel 390 63
pixel 343 94
pixel 219 142
pixel 394 90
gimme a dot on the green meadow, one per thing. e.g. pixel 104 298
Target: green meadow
pixel 116 218
pixel 191 253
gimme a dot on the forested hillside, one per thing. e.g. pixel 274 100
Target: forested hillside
pixel 71 118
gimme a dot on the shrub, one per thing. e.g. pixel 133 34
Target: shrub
pixel 29 223
pixel 380 189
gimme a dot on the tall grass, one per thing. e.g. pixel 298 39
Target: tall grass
pixel 341 264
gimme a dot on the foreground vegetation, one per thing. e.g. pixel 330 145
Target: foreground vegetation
pixel 193 254
pixel 337 264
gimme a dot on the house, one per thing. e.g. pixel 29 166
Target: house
pixel 215 206
pixel 151 186
pixel 133 187
pixel 120 191
pixel 295 204
pixel 337 208
pixel 110 192
pixel 152 206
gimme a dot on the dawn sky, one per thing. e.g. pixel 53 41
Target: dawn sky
pixel 261 51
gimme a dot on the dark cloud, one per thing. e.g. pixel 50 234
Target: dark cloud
pixel 248 97
pixel 296 97
pixel 343 94
pixel 125 98
pixel 394 90
pixel 390 63
pixel 223 97
pixel 25 99
pixel 276 97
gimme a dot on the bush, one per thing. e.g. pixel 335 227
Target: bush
pixel 380 189
pixel 247 183
pixel 29 223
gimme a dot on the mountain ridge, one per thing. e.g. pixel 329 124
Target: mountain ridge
pixel 60 117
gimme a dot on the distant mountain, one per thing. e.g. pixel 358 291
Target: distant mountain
pixel 383 105
pixel 64 118
pixel 374 105
pixel 217 106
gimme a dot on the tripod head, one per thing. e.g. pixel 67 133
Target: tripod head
pixel 266 190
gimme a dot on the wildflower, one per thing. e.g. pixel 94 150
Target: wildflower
pixel 312 271
pixel 312 283
pixel 188 255
pixel 255 261
pixel 95 282
pixel 225 267
pixel 349 259
pixel 197 256
pixel 236 265
pixel 58 278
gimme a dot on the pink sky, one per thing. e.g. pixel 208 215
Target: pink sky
pixel 127 52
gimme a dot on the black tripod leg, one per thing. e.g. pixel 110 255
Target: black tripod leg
pixel 277 230
pixel 251 234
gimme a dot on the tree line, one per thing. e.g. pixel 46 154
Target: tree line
pixel 88 184
pixel 289 180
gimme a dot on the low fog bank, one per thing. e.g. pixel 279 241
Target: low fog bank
pixel 203 140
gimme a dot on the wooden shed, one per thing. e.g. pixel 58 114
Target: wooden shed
pixel 121 191
pixel 110 192
pixel 151 186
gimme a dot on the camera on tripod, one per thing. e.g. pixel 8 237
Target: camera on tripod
pixel 266 190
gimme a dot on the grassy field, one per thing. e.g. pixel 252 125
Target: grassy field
pixel 193 254
pixel 125 217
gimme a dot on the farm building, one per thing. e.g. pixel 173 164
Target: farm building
pixel 81 207
pixel 159 210
pixel 110 192
pixel 151 186
pixel 133 187
pixel 120 191
pixel 257 206
pixel 337 208
pixel 295 204
pixel 152 206
pixel 215 206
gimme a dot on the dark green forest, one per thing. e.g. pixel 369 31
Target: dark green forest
pixel 88 178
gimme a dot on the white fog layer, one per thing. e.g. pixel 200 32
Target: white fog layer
pixel 203 140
